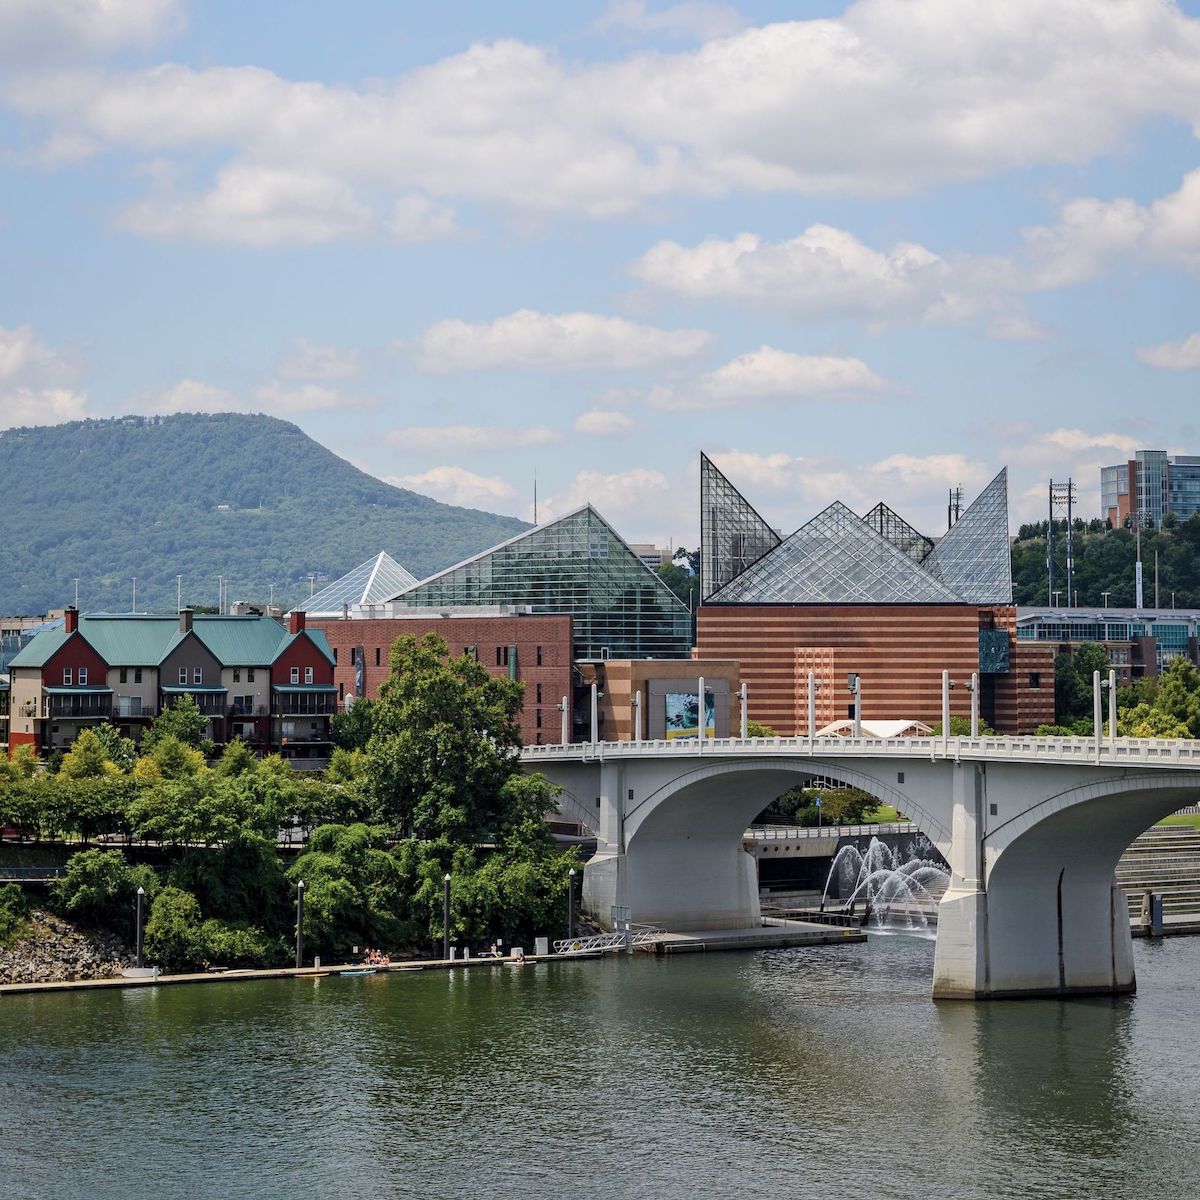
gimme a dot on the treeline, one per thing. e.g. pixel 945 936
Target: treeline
pixel 1104 562
pixel 433 787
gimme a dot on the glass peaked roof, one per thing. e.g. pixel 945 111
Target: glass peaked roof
pixel 376 580
pixel 899 532
pixel 974 556
pixel 837 558
pixel 576 566
pixel 732 534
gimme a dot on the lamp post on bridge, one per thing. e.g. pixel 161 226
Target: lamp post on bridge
pixel 854 686
pixel 744 698
pixel 141 897
pixel 571 904
pixel 299 924
pixel 813 687
pixel 562 708
pixel 637 716
pixel 1097 708
pixel 446 917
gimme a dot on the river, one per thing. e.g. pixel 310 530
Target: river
pixel 823 1072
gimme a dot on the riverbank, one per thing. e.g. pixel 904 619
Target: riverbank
pixel 55 951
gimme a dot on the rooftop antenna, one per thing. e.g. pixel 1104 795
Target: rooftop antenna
pixel 953 509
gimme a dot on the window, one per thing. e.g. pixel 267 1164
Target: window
pixel 308 674
pixel 538 696
pixel 250 675
pixel 377 656
pixel 83 676
pixel 198 676
pixel 137 674
pixel 124 675
pixel 538 718
pixel 183 676
pixel 295 674
pixel 237 675
pixel 502 656
pixel 1035 679
pixel 335 650
pixel 67 679
pixel 538 655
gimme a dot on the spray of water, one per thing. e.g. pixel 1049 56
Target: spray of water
pixel 897 896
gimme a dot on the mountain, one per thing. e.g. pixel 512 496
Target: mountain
pixel 252 498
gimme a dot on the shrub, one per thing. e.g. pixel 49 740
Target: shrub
pixel 13 910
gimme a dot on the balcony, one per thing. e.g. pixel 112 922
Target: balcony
pixel 247 710
pixel 130 707
pixel 84 704
pixel 211 700
pixel 305 700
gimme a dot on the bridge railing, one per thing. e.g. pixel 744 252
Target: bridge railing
pixel 30 874
pixel 1145 751
pixel 794 833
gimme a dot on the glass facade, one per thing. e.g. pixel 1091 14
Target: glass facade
pixel 576 566
pixel 973 557
pixel 899 532
pixel 837 558
pixel 732 534
pixel 371 583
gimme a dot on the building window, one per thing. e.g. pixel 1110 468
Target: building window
pixel 1035 679
pixel 502 656
pixel 137 674
pixel 183 676
pixel 198 676
pixel 67 677
pixel 83 676
pixel 472 652
pixel 237 675
pixel 308 674
pixel 377 656
pixel 537 718
pixel 295 674
pixel 538 696
pixel 124 675
pixel 538 655
pixel 249 674
pixel 335 649
pixel 537 739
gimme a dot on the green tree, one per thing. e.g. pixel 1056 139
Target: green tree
pixel 100 888
pixel 683 583
pixel 961 727
pixel 236 759
pixel 181 720
pixel 87 758
pixel 118 749
pixel 1179 695
pixel 756 729
pixel 446 739
pixel 14 911
pixel 176 759
pixel 352 727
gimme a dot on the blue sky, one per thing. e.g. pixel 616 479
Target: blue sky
pixel 866 251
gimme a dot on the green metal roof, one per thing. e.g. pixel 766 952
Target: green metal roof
pixel 130 641
pixel 76 691
pixel 241 641
pixel 303 687
pixel 40 649
pixel 181 689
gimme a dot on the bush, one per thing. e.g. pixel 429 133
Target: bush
pixel 13 910
pixel 178 940
pixel 99 888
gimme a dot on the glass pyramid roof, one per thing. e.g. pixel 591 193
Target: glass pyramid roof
pixel 899 532
pixel 974 556
pixel 732 534
pixel 577 566
pixel 837 558
pixel 372 582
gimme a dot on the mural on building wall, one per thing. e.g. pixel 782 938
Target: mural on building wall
pixel 683 715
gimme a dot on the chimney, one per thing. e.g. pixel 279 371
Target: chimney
pixel 185 620
pixel 71 618
pixel 296 622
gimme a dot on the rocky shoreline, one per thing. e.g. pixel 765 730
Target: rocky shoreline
pixel 54 950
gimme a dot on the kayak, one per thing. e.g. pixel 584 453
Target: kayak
pixel 360 971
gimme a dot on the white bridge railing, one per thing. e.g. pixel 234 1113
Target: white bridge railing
pixel 640 935
pixel 1164 752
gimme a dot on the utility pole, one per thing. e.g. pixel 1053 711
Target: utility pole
pixel 76 593
pixel 1062 503
pixel 954 507
pixel 178 592
pixel 134 609
pixel 220 594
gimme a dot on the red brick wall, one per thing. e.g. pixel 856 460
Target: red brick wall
pixel 487 634
pixel 301 653
pixel 899 651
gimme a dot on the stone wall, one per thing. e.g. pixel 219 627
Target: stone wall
pixel 55 950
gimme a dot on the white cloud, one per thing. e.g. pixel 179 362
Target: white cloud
pixel 1173 356
pixel 275 396
pixel 188 395
pixel 604 423
pixel 36 31
pixel 891 96
pixel 33 382
pixel 469 438
pixel 319 362
pixel 770 374
pixel 419 219
pixel 43 406
pixel 455 485
pixel 694 19
pixel 623 496
pixel 257 206
pixel 554 342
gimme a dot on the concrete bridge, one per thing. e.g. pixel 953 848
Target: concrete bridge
pixel 1032 829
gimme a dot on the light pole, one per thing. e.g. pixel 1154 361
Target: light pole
pixel 134 609
pixel 701 709
pixel 744 698
pixel 446 917
pixel 595 714
pixel 571 904
pixel 299 924
pixel 1111 684
pixel 813 685
pixel 817 805
pixel 974 686
pixel 566 733
pixel 637 715
pixel 946 686
pixel 1106 596
pixel 1097 712
pixel 141 897
pixel 854 686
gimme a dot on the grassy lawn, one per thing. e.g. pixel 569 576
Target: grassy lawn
pixel 1192 819
pixel 881 815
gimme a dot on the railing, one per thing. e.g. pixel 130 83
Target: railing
pixel 31 874
pixel 1166 752
pixel 69 708
pixel 640 935
pixel 300 706
pixel 795 833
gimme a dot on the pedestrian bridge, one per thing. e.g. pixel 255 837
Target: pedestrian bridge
pixel 1032 829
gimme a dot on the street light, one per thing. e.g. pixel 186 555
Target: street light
pixel 854 686
pixel 813 688
pixel 299 924
pixel 141 896
pixel 446 917
pixel 1106 596
pixel 571 904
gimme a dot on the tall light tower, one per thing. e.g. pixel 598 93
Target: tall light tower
pixel 1062 505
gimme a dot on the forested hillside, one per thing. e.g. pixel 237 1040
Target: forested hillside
pixel 1104 562
pixel 249 497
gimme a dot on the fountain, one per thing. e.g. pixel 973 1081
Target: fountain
pixel 897 897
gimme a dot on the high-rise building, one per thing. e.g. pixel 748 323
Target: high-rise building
pixel 1150 486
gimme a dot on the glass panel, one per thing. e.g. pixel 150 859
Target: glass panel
pixel 732 534
pixel 973 557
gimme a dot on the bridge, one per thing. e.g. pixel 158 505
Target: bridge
pixel 1032 829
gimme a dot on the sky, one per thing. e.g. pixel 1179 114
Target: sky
pixel 867 251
